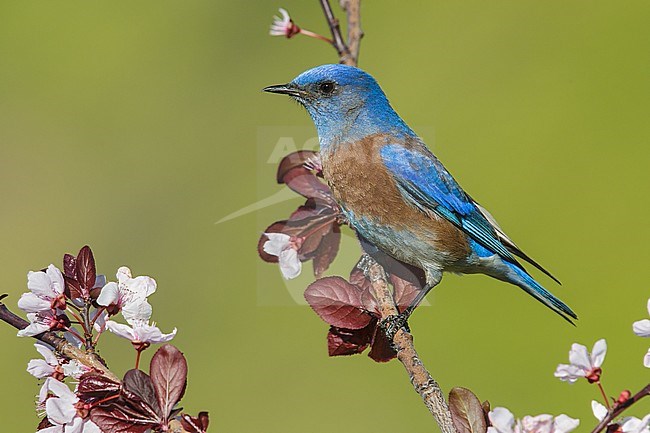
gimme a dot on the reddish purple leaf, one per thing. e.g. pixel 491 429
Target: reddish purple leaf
pixel 169 375
pixel 195 424
pixel 337 302
pixel 69 265
pixel 85 270
pixel 466 411
pixel 72 288
pixel 45 423
pixel 137 387
pixel 307 184
pixel 94 387
pixel 327 250
pixel 120 418
pixel 381 349
pixel 293 160
pixel 341 341
pixel 404 292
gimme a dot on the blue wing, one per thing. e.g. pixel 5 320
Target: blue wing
pixel 426 184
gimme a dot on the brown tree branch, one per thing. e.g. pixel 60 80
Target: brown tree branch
pixel 353 10
pixel 337 39
pixel 620 408
pixel 70 352
pixel 424 384
pixel 61 345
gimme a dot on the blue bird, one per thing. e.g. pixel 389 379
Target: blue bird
pixel 396 194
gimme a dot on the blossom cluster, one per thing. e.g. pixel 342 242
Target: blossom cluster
pixel 76 306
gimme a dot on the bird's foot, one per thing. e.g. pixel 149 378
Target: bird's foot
pixel 391 324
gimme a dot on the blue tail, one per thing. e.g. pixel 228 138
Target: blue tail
pixel 520 277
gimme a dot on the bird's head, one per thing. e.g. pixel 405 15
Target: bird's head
pixel 341 100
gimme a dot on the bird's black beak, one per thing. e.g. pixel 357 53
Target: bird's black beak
pixel 285 89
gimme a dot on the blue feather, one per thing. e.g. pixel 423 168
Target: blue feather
pixel 425 183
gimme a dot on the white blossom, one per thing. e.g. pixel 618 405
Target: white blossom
pixel 40 322
pixel 61 410
pixel 600 411
pixel 140 332
pixel 583 364
pixel 635 425
pixel 283 26
pixel 503 421
pixel 642 329
pixel 46 291
pixel 282 246
pixel 129 295
pixel 51 365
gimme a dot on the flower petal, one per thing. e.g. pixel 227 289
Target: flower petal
pixel 537 424
pixel 290 265
pixel 646 359
pixel 565 424
pixel 600 411
pixel 579 356
pixel 568 373
pixel 135 311
pixel 276 243
pixel 76 426
pixel 598 353
pixel 39 284
pixel 120 330
pixel 46 353
pixel 152 334
pixel 74 369
pixel 34 328
pixel 640 328
pixel 142 286
pixel 59 410
pixel 91 427
pixel 39 368
pixel 56 279
pixel 502 419
pixel 109 295
pixel 31 303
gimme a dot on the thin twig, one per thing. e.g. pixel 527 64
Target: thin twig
pixel 424 384
pixel 61 345
pixel 620 407
pixel 337 39
pixel 353 10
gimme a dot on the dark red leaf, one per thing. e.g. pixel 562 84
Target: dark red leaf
pixel 341 341
pixel 45 423
pixel 381 349
pixel 195 424
pixel 85 270
pixel 306 184
pixel 69 265
pixel 466 411
pixel 404 292
pixel 337 302
pixel 169 375
pixel 137 387
pixel 94 387
pixel 293 160
pixel 310 243
pixel 327 250
pixel 358 278
pixel 119 417
pixel 72 288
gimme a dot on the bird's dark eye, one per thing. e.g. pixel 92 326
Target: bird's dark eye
pixel 326 88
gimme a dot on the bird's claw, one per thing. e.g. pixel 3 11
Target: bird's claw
pixel 391 324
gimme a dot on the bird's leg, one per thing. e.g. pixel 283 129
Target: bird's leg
pixel 392 324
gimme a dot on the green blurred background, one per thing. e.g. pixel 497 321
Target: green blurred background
pixel 135 126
